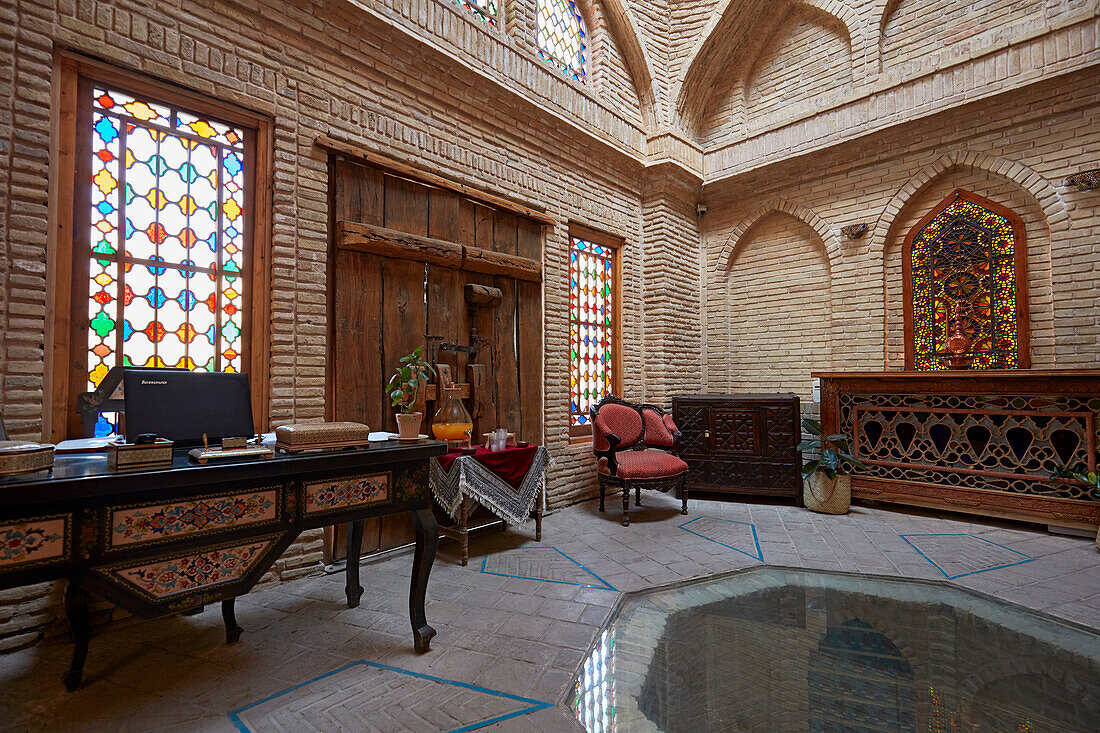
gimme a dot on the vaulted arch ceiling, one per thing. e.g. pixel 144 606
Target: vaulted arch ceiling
pixel 735 32
pixel 621 26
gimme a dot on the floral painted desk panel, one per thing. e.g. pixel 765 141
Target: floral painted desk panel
pixel 163 521
pixel 35 541
pixel 342 493
pixel 191 572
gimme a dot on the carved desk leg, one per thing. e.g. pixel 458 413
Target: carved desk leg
pixel 353 590
pixel 427 540
pixel 229 616
pixel 76 608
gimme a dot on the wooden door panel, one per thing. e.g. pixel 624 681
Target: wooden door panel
pixel 384 307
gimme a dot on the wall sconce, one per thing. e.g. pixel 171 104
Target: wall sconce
pixel 854 231
pixel 1085 180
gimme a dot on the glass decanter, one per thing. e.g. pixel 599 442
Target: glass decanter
pixel 452 422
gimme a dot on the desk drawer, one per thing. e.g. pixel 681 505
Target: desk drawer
pixel 136 525
pixel 222 570
pixel 35 541
pixel 341 493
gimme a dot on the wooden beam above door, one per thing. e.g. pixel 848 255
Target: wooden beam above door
pixel 385 242
pixel 340 146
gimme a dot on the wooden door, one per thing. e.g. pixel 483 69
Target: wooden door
pixel 385 306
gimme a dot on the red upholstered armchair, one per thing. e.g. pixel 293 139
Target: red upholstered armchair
pixel 631 443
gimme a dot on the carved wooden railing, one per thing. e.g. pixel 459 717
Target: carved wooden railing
pixel 978 442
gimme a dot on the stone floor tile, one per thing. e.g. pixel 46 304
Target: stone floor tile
pixel 177 674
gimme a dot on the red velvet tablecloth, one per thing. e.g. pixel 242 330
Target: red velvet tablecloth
pixel 510 464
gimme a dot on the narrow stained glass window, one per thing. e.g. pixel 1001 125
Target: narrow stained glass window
pixel 167 239
pixel 966 264
pixel 484 9
pixel 562 37
pixel 592 326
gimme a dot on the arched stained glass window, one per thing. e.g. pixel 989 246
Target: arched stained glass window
pixel 562 36
pixel 484 9
pixel 966 261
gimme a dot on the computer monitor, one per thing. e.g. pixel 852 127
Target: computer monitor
pixel 182 405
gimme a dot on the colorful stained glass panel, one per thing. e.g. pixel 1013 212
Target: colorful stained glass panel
pixel 591 326
pixel 484 9
pixel 965 258
pixel 562 37
pixel 167 239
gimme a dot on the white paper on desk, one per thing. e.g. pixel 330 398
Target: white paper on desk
pixel 83 445
pixel 379 436
pixel 267 439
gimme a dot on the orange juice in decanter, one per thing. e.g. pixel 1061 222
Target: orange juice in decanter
pixel 451 420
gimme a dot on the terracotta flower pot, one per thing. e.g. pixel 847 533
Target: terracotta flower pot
pixel 408 424
pixel 827 496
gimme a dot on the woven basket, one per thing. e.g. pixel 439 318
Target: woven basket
pixel 827 496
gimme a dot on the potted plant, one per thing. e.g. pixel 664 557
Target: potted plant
pixel 1081 473
pixel 828 485
pixel 404 389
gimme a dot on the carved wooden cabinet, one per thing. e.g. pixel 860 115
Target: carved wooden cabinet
pixel 740 443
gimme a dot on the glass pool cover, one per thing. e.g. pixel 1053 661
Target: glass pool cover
pixel 775 649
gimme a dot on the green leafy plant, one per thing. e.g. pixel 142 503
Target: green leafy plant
pixel 404 386
pixel 834 459
pixel 1080 472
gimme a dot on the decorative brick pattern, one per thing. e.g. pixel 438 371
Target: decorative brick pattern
pixel 957 555
pixel 375 697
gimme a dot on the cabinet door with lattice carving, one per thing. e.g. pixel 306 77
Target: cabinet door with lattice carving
pixel 736 430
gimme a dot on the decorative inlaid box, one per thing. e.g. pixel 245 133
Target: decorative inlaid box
pixel 19 456
pixel 121 456
pixel 319 436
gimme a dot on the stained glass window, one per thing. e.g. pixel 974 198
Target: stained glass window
pixel 562 37
pixel 167 239
pixel 966 264
pixel 592 326
pixel 484 9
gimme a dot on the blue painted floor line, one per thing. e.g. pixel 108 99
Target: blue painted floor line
pixel 536 705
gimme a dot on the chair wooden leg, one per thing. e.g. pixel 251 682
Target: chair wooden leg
pixel 684 495
pixel 638 496
pixel 626 506
pixel 603 490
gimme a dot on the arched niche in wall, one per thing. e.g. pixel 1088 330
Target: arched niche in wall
pixel 1036 327
pixel 805 66
pixel 964 269
pixel 778 307
pixel 806 48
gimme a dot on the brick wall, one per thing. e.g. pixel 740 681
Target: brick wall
pixel 804 65
pixel 778 311
pixel 400 80
pixel 1016 149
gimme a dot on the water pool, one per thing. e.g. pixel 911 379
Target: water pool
pixel 775 649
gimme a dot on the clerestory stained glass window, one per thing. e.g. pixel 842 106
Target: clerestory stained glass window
pixel 966 264
pixel 484 9
pixel 592 326
pixel 167 239
pixel 562 37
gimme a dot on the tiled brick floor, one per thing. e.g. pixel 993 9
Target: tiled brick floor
pixel 515 635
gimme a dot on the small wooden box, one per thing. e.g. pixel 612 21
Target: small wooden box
pixel 20 456
pixel 127 456
pixel 320 436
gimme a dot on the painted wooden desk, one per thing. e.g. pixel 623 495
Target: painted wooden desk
pixel 157 542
